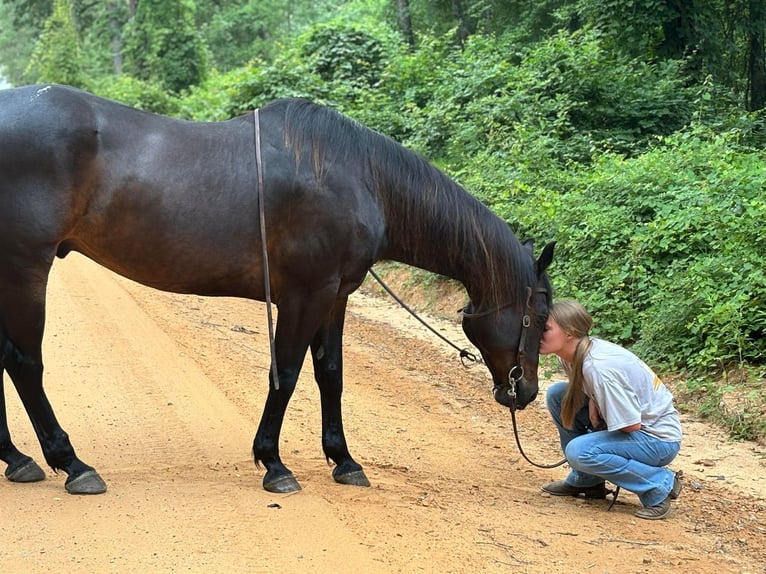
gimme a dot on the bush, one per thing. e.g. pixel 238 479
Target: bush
pixel 345 54
pixel 138 93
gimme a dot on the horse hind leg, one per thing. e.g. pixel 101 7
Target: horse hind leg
pixel 22 315
pixel 21 468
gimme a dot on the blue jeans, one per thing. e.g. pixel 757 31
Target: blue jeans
pixel 634 461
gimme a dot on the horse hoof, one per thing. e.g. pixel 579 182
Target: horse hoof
pixel 88 482
pixel 354 478
pixel 27 472
pixel 282 485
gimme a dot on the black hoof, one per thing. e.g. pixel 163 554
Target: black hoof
pixel 354 478
pixel 282 484
pixel 27 472
pixel 89 482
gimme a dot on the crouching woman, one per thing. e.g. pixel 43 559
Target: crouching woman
pixel 615 417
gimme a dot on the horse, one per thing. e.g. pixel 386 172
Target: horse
pixel 183 206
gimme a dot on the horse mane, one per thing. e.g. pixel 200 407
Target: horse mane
pixel 420 203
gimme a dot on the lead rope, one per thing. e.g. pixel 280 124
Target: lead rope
pixel 521 450
pixel 466 356
pixel 512 394
pixel 266 275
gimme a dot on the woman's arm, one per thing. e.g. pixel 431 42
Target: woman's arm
pixel 631 428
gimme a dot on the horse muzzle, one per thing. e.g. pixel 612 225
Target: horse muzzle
pixel 505 395
pixel 513 395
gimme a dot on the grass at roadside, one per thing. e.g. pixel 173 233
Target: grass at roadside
pixel 734 400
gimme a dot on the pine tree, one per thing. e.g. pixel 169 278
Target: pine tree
pixel 56 56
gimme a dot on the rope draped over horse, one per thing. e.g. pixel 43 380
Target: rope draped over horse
pixel 173 204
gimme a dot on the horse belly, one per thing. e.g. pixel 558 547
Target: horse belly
pixel 176 260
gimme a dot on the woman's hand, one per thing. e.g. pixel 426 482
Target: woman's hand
pixel 594 414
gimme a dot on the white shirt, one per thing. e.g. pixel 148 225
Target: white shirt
pixel 627 392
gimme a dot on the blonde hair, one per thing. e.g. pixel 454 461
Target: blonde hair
pixel 574 320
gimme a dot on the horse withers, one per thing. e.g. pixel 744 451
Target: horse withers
pixel 174 205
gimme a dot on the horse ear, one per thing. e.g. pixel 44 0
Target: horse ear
pixel 530 245
pixel 546 257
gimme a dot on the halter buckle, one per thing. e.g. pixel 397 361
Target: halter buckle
pixel 515 379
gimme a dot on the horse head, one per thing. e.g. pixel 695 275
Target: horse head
pixel 508 337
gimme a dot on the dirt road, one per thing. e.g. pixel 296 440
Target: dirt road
pixel 162 394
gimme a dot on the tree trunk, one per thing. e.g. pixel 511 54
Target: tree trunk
pixel 115 30
pixel 405 22
pixel 677 31
pixel 463 26
pixel 756 64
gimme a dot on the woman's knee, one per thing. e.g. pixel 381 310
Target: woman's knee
pixel 582 451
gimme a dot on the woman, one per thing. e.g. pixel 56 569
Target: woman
pixel 615 417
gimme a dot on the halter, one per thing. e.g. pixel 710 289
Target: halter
pixel 516 374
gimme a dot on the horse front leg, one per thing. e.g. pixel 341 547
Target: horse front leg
pixel 278 477
pixel 303 314
pixel 299 317
pixel 327 355
pixel 21 468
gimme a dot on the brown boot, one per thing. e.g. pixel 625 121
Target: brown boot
pixel 657 512
pixel 676 490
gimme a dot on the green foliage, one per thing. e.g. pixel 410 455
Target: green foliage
pixel 331 63
pixel 344 54
pixel 139 94
pixel 240 31
pixel 563 100
pixel 708 237
pixel 163 46
pixel 595 99
pixel 665 249
pixel 287 77
pixel 56 57
pixel 635 27
pixel 18 35
pixel 219 98
pixel 100 27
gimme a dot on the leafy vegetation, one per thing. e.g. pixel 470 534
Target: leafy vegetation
pixel 632 134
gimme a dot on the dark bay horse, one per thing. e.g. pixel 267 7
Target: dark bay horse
pixel 173 204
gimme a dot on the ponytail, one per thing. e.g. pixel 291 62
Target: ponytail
pixel 574 398
pixel 575 320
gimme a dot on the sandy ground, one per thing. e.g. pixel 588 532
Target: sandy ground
pixel 162 394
